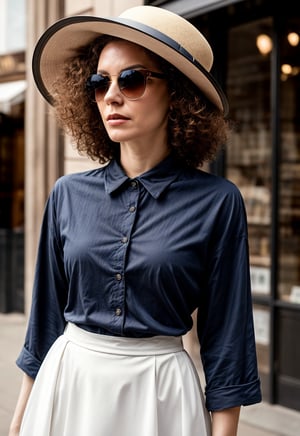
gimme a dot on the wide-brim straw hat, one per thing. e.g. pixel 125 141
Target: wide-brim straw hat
pixel 163 32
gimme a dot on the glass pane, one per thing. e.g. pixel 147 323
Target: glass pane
pixel 288 358
pixel 262 335
pixel 289 201
pixel 249 152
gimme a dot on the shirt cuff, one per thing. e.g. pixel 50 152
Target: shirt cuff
pixel 28 363
pixel 233 396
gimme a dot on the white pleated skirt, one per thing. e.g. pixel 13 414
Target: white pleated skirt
pixel 98 385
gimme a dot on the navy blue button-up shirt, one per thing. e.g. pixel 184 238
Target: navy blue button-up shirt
pixel 135 257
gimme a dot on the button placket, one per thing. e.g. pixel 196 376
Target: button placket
pixel 133 186
pixel 118 291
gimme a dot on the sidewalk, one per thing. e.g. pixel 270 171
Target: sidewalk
pixel 258 420
pixel 12 329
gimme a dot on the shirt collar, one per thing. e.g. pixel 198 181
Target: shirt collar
pixel 155 181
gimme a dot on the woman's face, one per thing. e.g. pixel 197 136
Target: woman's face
pixel 141 120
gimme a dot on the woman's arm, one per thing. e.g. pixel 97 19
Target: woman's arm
pixel 225 422
pixel 25 390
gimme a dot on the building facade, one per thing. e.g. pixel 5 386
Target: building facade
pixel 257 51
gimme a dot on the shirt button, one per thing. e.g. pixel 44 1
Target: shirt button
pixel 124 239
pixel 132 209
pixel 118 311
pixel 119 276
pixel 133 183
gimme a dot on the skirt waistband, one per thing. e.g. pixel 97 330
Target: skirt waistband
pixel 123 345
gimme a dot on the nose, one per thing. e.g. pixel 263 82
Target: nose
pixel 113 94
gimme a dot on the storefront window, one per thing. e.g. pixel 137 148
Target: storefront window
pixel 249 152
pixel 262 324
pixel 289 169
pixel 249 163
pixel 12 210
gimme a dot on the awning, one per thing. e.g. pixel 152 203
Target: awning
pixel 11 93
pixel 192 8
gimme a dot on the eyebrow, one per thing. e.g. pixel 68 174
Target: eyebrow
pixel 130 67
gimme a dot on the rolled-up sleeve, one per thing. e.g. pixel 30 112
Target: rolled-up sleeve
pixel 225 317
pixel 46 321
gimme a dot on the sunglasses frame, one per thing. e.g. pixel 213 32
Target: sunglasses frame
pixel 106 82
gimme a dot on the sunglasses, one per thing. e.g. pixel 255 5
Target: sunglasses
pixel 132 83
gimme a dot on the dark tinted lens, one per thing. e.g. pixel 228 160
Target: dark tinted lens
pixel 132 83
pixel 99 84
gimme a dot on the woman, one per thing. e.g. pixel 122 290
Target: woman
pixel 129 251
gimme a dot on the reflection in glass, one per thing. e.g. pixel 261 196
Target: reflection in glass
pixel 289 170
pixel 249 152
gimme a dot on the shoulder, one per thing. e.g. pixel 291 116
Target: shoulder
pixel 208 184
pixel 80 179
pixel 73 178
pixel 75 187
pixel 216 197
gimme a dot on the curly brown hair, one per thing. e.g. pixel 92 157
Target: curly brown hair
pixel 196 128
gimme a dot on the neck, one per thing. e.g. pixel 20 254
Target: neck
pixel 136 161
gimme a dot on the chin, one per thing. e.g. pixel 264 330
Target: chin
pixel 118 139
pixel 121 138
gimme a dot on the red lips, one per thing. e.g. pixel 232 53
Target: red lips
pixel 116 117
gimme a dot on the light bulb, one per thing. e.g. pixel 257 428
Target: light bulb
pixel 293 39
pixel 264 43
pixel 286 69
